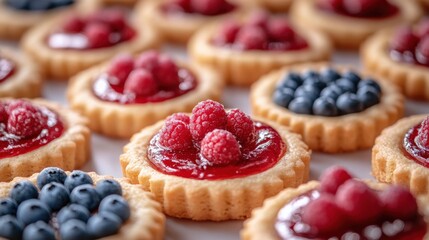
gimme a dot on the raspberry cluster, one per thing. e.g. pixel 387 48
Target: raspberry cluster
pixel 219 134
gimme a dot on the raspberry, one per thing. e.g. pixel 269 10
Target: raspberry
pixel 423 133
pixel 228 32
pixel 185 5
pixel 361 7
pixel 207 116
pixel 334 5
pixel 359 202
pixel 141 82
pixel 3 113
pixel 166 73
pixel 220 147
pixel 147 60
pixel 251 38
pixel 120 68
pixel 73 25
pixel 333 178
pixel 399 203
pixel 98 34
pixel 179 117
pixel 404 40
pixel 25 122
pixel 207 7
pixel 127 33
pixel 258 19
pixel 423 28
pixel 20 104
pixel 240 124
pixel 115 18
pixel 175 135
pixel 280 30
pixel 423 50
pixel 324 215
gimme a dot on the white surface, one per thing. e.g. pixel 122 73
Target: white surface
pixel 106 151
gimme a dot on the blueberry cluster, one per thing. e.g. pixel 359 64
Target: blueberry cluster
pixel 67 206
pixel 326 93
pixel 38 5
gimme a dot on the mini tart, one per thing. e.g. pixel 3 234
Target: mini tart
pixel 349 32
pixel 146 221
pixel 328 134
pixel 261 225
pixel 412 79
pixel 180 28
pixel 25 82
pixel 62 64
pixel 391 165
pixel 14 23
pixel 245 67
pixel 215 200
pixel 69 151
pixel 123 120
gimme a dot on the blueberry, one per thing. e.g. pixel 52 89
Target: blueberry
pixel 22 191
pixel 346 85
pixel 7 207
pixel 38 231
pixel 61 3
pixel 289 83
pixel 55 195
pixel 301 105
pixel 108 187
pixel 332 91
pixel 352 76
pixel 315 82
pixel 74 230
pixel 73 211
pixel 86 196
pixel 368 97
pixel 51 174
pixel 117 205
pixel 282 97
pixel 349 103
pixel 310 74
pixel 39 5
pixel 77 178
pixel 103 224
pixel 10 228
pixel 329 75
pixel 33 210
pixel 18 4
pixel 371 83
pixel 325 106
pixel 294 77
pixel 307 91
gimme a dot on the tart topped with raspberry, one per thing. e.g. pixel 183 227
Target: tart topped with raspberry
pixel 349 22
pixel 55 204
pixel 256 44
pixel 178 20
pixel 339 207
pixel 211 154
pixel 140 91
pixel 316 100
pixel 402 56
pixel 39 134
pixel 76 41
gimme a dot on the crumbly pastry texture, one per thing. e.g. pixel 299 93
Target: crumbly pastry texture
pixel 245 67
pixel 14 23
pixel 123 120
pixel 146 221
pixel 390 165
pixel 215 200
pixel 26 82
pixel 412 79
pixel 328 134
pixel 349 32
pixel 62 64
pixel 69 151
pixel 261 225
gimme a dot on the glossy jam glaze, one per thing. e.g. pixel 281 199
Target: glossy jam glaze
pixel 289 226
pixel 408 57
pixel 387 11
pixel 171 9
pixel 106 92
pixel 7 68
pixel 413 149
pixel 257 157
pixel 12 145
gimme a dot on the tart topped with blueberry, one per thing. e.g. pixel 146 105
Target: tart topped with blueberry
pixel 256 44
pixel 76 41
pixel 130 93
pixel 349 22
pixel 339 207
pixel 400 154
pixel 54 204
pixel 402 56
pixel 16 17
pixel 178 20
pixel 37 133
pixel 329 106
pixel 194 163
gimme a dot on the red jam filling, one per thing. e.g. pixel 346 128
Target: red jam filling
pixel 197 7
pixel 372 9
pixel 255 158
pixel 414 146
pixel 13 145
pixel 7 68
pixel 102 29
pixel 290 226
